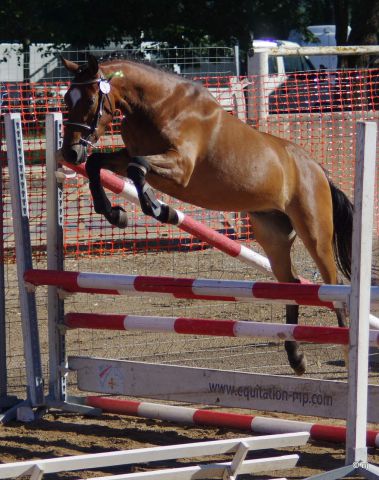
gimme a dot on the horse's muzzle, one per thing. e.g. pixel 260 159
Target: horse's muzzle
pixel 75 154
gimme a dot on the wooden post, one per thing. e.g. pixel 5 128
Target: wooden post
pixel 257 68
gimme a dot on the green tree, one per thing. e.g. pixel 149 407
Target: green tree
pixel 181 23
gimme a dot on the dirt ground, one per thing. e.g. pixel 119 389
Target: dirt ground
pixel 58 434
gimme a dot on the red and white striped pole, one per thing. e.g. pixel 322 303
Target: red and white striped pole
pixel 204 289
pixel 212 418
pixel 210 327
pixel 214 327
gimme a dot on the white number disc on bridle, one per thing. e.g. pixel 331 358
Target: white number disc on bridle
pixel 104 86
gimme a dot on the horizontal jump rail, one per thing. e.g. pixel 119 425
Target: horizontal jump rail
pixel 214 327
pixel 221 242
pixel 202 289
pixel 214 418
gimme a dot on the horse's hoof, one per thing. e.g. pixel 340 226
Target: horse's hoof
pixel 168 215
pixel 121 218
pixel 117 217
pixel 299 365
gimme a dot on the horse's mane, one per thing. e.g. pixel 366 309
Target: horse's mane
pixel 130 57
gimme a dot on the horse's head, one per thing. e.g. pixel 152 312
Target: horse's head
pixel 90 105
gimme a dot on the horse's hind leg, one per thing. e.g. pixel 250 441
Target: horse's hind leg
pixel 316 232
pixel 274 232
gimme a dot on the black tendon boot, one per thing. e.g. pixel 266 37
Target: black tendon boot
pixel 137 171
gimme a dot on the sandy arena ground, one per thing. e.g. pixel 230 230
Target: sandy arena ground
pixel 58 434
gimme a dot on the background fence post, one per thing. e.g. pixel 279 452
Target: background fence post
pixel 237 59
pixel 257 68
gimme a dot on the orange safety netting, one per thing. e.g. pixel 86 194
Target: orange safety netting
pixel 317 110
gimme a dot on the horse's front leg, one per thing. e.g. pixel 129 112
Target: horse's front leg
pixel 137 170
pixel 115 215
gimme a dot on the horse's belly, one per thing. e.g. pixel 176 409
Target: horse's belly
pixel 210 193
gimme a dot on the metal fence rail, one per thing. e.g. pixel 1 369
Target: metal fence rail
pixel 43 62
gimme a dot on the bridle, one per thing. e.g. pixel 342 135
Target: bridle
pixel 104 89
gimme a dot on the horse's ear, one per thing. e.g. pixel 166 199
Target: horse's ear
pixel 70 66
pixel 93 65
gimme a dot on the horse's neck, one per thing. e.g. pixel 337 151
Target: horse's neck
pixel 142 87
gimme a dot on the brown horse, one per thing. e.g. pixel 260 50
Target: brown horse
pixel 184 144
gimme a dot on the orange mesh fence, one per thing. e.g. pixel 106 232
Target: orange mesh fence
pixel 317 110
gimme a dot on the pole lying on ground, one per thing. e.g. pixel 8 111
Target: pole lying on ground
pixel 214 418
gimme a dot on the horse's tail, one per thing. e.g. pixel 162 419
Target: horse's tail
pixel 343 229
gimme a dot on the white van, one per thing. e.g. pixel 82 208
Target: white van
pixel 325 36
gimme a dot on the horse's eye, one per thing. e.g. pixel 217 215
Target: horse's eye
pixel 91 101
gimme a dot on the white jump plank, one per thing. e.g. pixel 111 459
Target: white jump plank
pixel 206 471
pixel 319 398
pixel 144 455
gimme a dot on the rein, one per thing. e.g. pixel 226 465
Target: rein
pixel 104 89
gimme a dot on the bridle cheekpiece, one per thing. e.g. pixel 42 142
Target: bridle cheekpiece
pixel 104 89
